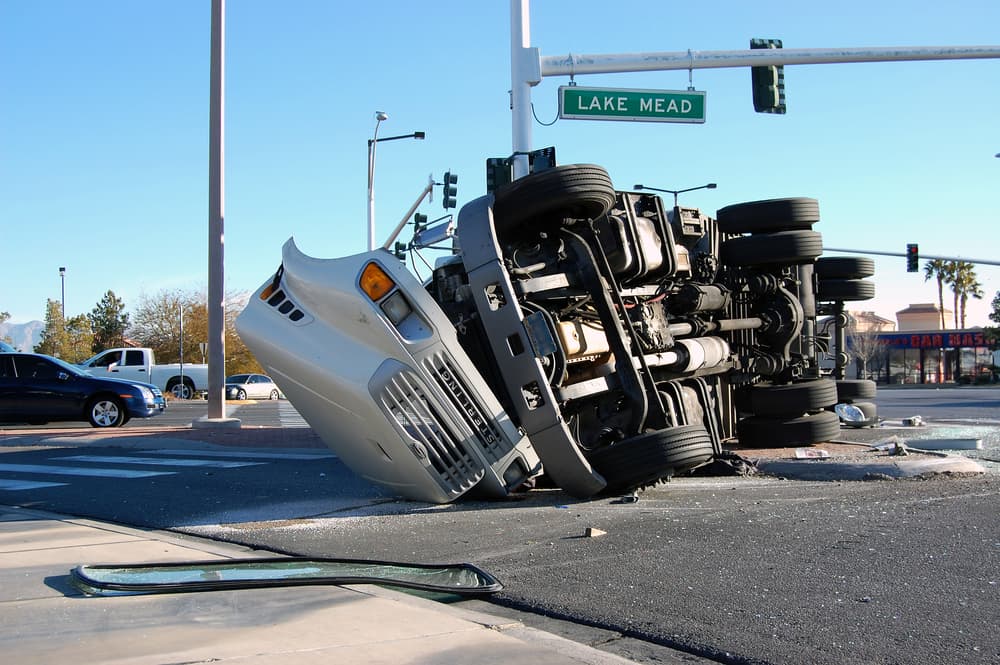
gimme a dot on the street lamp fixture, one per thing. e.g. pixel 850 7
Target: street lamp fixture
pixel 675 192
pixel 62 279
pixel 380 116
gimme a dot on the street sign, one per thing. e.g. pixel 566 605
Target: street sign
pixel 579 103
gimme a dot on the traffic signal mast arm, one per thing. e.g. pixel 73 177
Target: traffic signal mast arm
pixel 406 218
pixel 611 63
pixel 528 66
pixel 987 262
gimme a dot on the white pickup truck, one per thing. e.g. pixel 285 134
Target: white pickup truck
pixel 183 381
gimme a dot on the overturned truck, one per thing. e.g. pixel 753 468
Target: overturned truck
pixel 591 335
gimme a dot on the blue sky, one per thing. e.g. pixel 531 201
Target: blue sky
pixel 104 129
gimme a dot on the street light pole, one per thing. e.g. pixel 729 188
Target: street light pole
pixel 372 142
pixel 675 192
pixel 62 278
pixel 379 117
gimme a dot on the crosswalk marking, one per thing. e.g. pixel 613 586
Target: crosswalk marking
pixel 18 485
pixel 237 454
pixel 288 416
pixel 56 470
pixel 159 461
pixel 188 458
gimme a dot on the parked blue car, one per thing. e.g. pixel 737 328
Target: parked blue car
pixel 36 389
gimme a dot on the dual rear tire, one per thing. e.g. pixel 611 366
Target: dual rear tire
pixel 790 414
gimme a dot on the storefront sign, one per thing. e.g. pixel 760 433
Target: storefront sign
pixel 959 339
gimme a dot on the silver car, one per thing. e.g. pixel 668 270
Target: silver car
pixel 251 386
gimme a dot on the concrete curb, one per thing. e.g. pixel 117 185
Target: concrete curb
pixel 883 468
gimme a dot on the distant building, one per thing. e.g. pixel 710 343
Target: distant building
pixel 919 351
pixel 870 322
pixel 922 316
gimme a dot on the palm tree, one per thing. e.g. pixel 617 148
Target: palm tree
pixel 965 284
pixel 951 276
pixel 937 269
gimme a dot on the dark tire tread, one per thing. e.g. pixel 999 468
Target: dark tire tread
pixel 646 458
pixel 788 214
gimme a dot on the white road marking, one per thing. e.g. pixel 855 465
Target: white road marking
pixel 56 470
pixel 166 461
pixel 250 454
pixel 289 417
pixel 17 485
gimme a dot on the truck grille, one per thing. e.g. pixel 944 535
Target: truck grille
pixel 490 440
pixel 405 399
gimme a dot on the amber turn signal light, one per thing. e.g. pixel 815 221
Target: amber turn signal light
pixel 375 282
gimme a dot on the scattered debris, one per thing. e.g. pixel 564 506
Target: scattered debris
pixel 628 498
pixel 888 445
pixel 927 446
pixel 893 445
pixel 947 444
pixel 593 532
pixel 913 421
pixel 727 463
pixel 811 453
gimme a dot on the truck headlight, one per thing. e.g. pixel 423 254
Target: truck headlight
pixel 396 308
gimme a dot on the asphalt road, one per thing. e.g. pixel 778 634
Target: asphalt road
pixel 736 570
pixel 741 571
pixel 972 403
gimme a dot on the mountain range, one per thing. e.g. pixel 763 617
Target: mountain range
pixel 22 336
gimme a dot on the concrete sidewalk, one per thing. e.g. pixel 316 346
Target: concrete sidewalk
pixel 46 620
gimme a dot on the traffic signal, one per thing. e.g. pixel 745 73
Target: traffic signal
pixel 419 222
pixel 768 81
pixel 400 251
pixel 450 190
pixel 912 257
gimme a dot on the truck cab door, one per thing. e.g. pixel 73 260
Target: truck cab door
pixel 134 366
pixel 105 364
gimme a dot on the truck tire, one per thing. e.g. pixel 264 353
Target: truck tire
pixel 792 399
pixel 572 191
pixel 180 390
pixel 844 267
pixel 646 458
pixel 765 432
pixel 830 290
pixel 849 390
pixel 792 214
pixel 106 411
pixel 783 247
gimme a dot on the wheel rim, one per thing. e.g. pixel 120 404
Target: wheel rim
pixel 180 391
pixel 105 413
pixel 241 394
pixel 274 394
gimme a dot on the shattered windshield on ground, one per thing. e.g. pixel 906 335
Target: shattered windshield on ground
pixel 463 579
